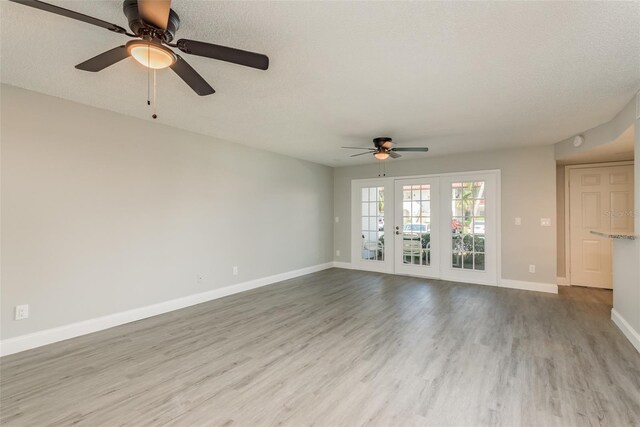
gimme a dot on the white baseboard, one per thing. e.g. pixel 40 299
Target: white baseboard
pixel 562 281
pixel 504 283
pixel 338 264
pixel 551 288
pixel 628 331
pixel 61 333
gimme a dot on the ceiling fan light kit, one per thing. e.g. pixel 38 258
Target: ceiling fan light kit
pixel 151 55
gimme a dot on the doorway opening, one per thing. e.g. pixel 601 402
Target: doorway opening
pixel 595 199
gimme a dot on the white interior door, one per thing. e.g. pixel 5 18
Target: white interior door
pixel 416 227
pixel 370 250
pixel 469 241
pixel 601 199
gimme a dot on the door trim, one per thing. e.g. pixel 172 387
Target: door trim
pixel 567 207
pixel 390 181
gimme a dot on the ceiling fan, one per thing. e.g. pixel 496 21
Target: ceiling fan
pixel 384 149
pixel 153 25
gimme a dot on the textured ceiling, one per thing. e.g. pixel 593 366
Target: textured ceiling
pixel 453 76
pixel 621 148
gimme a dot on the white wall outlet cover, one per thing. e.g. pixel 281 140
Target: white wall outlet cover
pixel 235 270
pixel 22 312
pixel 518 221
pixel 545 222
pixel 532 268
pixel 337 219
pixel 338 252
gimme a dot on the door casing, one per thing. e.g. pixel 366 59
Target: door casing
pixel 567 209
pixel 389 218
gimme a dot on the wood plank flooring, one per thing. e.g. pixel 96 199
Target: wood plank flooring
pixel 342 348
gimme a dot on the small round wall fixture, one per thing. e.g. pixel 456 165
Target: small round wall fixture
pixel 578 140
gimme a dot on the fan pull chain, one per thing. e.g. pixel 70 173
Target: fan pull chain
pixel 155 96
pixel 148 76
pixel 382 168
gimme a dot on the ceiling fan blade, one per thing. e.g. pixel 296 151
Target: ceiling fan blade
pixel 223 53
pixel 105 59
pixel 360 154
pixel 155 12
pixel 360 148
pixel 416 149
pixel 191 77
pixel 71 14
pixel 393 154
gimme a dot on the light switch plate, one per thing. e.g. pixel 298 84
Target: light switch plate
pixel 545 222
pixel 22 312
pixel 518 221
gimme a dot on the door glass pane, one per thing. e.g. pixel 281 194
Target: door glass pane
pixel 372 224
pixel 468 225
pixel 416 224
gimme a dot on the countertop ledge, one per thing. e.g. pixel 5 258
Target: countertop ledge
pixel 613 236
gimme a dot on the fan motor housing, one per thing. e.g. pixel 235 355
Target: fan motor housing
pixel 142 28
pixel 380 141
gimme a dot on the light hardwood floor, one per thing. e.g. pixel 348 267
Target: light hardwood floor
pixel 342 348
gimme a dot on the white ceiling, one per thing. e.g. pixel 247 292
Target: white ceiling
pixel 454 76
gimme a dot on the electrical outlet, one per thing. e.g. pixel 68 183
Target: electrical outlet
pixel 337 219
pixel 532 268
pixel 22 312
pixel 338 252
pixel 235 270
pixel 518 221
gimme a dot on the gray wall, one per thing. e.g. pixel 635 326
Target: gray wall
pixel 103 213
pixel 528 191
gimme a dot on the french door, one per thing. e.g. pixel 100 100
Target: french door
pixel 416 227
pixel 440 226
pixel 370 248
pixel 470 245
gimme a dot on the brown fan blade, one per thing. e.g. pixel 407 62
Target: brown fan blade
pixel 359 148
pixel 191 77
pixel 71 14
pixel 415 149
pixel 387 144
pixel 393 154
pixel 360 154
pixel 104 60
pixel 223 53
pixel 155 12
